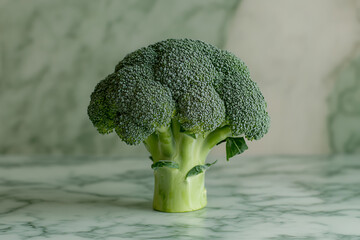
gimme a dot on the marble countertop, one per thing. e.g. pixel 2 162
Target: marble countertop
pixel 248 198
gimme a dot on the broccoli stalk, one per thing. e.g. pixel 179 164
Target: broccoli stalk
pixel 178 163
pixel 180 97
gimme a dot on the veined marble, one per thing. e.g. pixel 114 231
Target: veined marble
pixel 53 53
pixel 303 54
pixel 248 198
pixel 344 119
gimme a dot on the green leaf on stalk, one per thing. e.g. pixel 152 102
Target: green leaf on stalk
pixel 198 169
pixel 235 146
pixel 162 163
pixel 151 158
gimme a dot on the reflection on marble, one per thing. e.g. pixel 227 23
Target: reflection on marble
pixel 249 198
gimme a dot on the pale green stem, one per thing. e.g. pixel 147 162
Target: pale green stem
pixel 215 137
pixel 173 192
pixel 166 142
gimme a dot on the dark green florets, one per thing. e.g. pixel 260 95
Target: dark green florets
pixel 200 110
pixel 199 85
pixel 102 109
pixel 245 105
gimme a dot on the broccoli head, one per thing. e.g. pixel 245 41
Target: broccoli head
pixel 180 97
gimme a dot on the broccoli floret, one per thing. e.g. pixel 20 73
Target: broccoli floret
pixel 180 97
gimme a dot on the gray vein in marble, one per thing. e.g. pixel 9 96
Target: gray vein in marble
pixel 249 198
pixel 344 105
pixel 52 54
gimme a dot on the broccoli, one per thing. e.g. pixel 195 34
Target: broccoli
pixel 180 97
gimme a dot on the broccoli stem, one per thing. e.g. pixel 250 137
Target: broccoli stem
pixel 216 136
pixel 160 144
pixel 166 142
pixel 174 192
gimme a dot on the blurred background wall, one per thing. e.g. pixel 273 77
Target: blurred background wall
pixel 304 55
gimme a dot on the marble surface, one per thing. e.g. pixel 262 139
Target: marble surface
pixel 344 118
pixel 248 198
pixel 304 55
pixel 52 54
